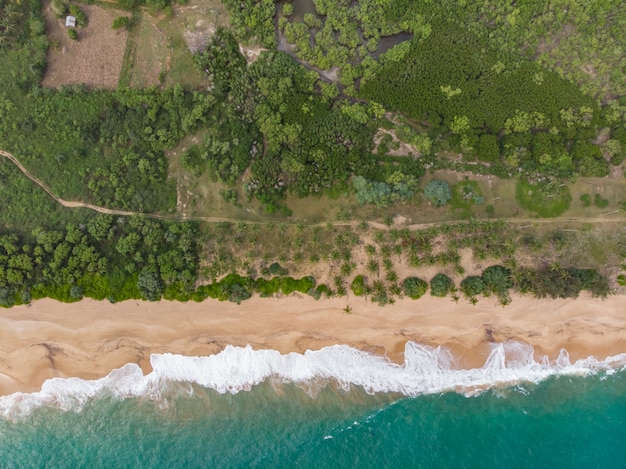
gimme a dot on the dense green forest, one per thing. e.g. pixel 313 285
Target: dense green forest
pixel 501 82
pixel 457 77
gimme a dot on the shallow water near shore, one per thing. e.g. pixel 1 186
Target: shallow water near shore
pixel 573 416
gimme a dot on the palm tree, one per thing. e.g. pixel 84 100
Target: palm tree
pixel 398 250
pixel 385 251
pixel 340 240
pixel 346 254
pixel 370 249
pixel 373 266
pixel 379 237
pixel 255 228
pixel 347 268
pixel 391 276
pixel 414 260
pixel 315 242
pixel 394 235
pixel 242 227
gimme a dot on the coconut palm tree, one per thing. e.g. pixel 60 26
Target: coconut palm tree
pixel 391 276
pixel 373 266
pixel 370 249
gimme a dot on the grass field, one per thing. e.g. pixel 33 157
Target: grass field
pixel 159 46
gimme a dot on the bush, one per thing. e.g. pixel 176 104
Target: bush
pixel 414 287
pixel 600 202
pixel 81 18
pixel 497 279
pixel 438 192
pixel 357 285
pixel 472 286
pixel 59 8
pixel 276 269
pixel 440 285
pixel 120 22
pixel 586 200
pixel 72 34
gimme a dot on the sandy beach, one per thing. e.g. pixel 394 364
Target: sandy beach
pixel 88 339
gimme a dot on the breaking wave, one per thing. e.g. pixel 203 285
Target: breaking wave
pixel 426 370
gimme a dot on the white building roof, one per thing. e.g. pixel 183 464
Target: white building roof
pixel 70 22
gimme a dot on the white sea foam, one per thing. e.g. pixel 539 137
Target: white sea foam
pixel 426 370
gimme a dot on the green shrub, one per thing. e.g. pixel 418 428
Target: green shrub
pixel 414 287
pixel 497 279
pixel 600 202
pixel 120 22
pixel 357 285
pixel 59 8
pixel 72 34
pixel 586 200
pixel 472 286
pixel 276 269
pixel 81 18
pixel 440 285
pixel 438 192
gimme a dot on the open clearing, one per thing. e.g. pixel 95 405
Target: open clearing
pixel 161 46
pixel 94 60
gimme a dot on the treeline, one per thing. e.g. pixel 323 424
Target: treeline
pixel 106 257
pixel 499 281
pixel 495 280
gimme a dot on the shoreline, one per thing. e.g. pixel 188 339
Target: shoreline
pixel 88 339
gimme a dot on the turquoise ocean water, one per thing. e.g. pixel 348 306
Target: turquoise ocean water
pixel 245 408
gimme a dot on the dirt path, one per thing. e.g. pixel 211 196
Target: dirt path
pixel 523 221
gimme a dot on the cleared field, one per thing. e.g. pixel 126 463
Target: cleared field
pixel 94 60
pixel 149 56
pixel 160 48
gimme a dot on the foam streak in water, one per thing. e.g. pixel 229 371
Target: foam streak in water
pixel 426 370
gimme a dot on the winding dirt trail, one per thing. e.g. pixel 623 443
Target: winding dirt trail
pixel 73 204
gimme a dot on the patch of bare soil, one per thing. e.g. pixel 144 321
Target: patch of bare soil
pixel 251 53
pixel 404 149
pixel 94 60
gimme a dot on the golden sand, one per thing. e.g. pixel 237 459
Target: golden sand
pixel 88 339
